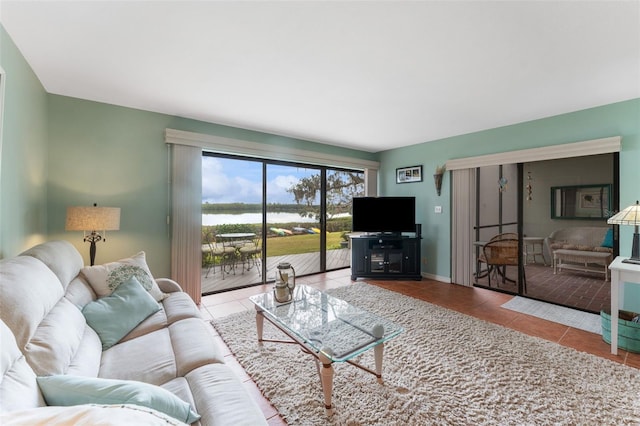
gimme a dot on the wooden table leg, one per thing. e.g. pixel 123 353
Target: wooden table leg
pixel 326 378
pixel 259 324
pixel 378 351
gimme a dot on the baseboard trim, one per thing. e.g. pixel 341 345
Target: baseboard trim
pixel 436 277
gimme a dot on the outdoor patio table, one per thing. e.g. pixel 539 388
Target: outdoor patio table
pixel 235 240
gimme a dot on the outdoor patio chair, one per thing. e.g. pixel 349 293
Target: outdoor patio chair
pixel 217 254
pixel 251 253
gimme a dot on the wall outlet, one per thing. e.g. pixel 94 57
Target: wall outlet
pixel 424 260
pixel 438 209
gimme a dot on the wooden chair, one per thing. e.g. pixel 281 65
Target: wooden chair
pixel 482 259
pixel 500 253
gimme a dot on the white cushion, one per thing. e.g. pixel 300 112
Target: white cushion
pixel 86 361
pixel 59 256
pixel 29 291
pixel 131 360
pixel 221 399
pixel 104 279
pixel 104 415
pixel 180 306
pixel 56 339
pixel 18 387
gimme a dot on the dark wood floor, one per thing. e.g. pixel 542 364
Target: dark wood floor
pixel 480 303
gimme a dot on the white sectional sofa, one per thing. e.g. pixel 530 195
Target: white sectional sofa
pixel 49 352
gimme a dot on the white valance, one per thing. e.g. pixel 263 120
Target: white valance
pixel 232 146
pixel 575 149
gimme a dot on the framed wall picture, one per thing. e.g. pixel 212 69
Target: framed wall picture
pixel 589 202
pixel 409 174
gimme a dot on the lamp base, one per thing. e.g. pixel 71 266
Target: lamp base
pixel 635 249
pixel 92 238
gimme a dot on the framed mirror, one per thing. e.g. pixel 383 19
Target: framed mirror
pixel 587 202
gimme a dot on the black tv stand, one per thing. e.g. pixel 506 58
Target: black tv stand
pixel 385 256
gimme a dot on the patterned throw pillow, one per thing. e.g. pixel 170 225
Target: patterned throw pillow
pixel 104 279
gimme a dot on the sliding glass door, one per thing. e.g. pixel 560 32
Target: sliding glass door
pixel 258 213
pixel 496 232
pixel 294 218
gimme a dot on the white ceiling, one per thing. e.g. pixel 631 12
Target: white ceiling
pixel 359 74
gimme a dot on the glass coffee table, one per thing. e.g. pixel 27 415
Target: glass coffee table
pixel 328 328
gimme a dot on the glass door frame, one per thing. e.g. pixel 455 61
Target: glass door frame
pixel 322 220
pixel 520 285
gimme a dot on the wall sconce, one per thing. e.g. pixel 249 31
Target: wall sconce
pixel 630 216
pixel 90 220
pixel 437 177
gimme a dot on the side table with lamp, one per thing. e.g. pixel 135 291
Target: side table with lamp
pixel 624 269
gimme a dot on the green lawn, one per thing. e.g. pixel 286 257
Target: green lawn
pixel 304 243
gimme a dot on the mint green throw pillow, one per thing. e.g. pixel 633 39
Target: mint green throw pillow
pixel 114 316
pixel 66 390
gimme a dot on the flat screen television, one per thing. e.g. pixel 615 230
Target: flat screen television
pixel 384 214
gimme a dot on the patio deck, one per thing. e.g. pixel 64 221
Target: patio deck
pixel 304 264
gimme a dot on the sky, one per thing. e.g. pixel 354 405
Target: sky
pixel 227 180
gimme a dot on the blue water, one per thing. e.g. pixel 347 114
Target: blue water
pixel 233 219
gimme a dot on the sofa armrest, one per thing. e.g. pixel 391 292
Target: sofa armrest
pixel 168 285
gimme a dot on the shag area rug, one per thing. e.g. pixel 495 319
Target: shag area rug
pixel 560 314
pixel 447 368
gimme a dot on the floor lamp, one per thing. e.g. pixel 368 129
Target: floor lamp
pixel 94 222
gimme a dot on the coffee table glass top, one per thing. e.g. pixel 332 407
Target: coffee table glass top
pixel 328 324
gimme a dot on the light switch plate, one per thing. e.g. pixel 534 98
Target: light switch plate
pixel 438 209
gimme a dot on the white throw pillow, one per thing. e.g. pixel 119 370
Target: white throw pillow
pixel 106 278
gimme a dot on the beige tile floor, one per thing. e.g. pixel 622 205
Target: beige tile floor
pixel 480 303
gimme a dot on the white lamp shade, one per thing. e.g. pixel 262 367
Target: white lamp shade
pixel 628 216
pixel 93 219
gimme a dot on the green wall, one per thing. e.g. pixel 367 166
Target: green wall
pixel 60 151
pixel 117 157
pixel 619 119
pixel 23 161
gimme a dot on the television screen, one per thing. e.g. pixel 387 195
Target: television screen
pixel 384 214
